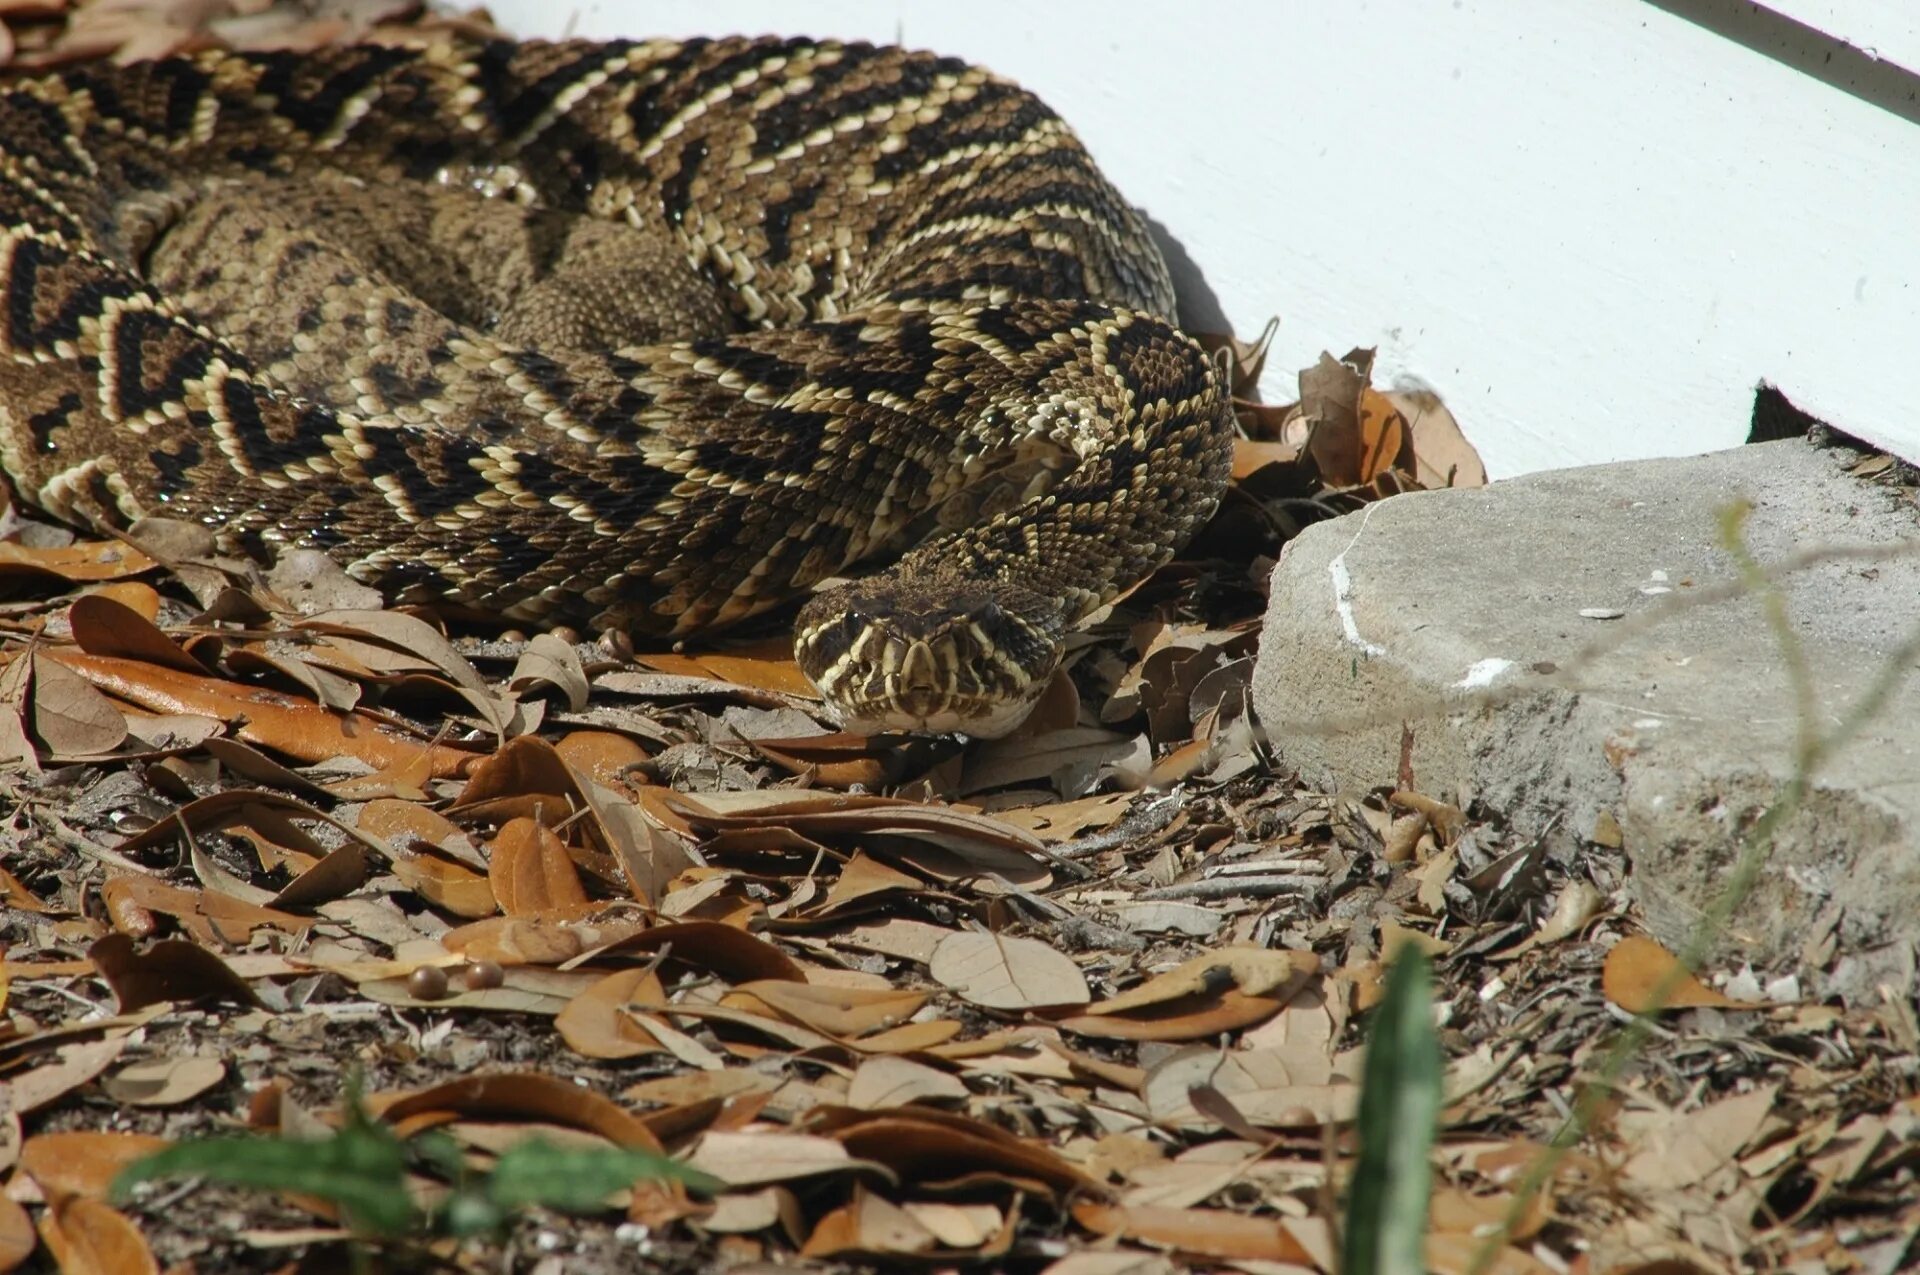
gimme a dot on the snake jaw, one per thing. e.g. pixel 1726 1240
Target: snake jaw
pixel 922 657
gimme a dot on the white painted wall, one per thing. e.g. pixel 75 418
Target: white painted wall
pixel 1590 225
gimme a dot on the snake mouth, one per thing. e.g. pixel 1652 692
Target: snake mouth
pixel 963 665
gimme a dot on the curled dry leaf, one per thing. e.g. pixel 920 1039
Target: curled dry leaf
pixel 104 625
pixel 517 1095
pixel 939 1148
pixel 210 916
pixel 550 662
pixel 714 948
pixel 171 970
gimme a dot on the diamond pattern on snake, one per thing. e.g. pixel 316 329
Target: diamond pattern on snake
pixel 655 335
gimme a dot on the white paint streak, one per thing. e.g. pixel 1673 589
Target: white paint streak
pixel 1484 673
pixel 1343 590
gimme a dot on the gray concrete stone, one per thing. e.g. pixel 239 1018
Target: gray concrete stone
pixel 1459 613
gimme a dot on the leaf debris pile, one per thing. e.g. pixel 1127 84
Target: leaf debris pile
pixel 1086 999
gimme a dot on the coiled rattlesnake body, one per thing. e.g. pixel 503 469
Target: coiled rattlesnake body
pixel 650 334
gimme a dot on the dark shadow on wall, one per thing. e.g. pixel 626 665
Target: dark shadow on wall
pixel 1200 309
pixel 1808 50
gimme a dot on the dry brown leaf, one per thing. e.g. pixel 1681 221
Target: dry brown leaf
pixel 410 826
pixel 531 872
pixel 1209 1232
pixel 1251 455
pixel 871 1226
pixel 83 1162
pixel 77 563
pixel 550 662
pixel 996 971
pixel 69 716
pixel 719 949
pixel 1676 1149
pixel 210 916
pixel 164 1082
pixel 1065 820
pixel 845 1012
pixel 89 1237
pixel 604 756
pixel 171 970
pixel 74 1064
pixel 598 1024
pixel 1281 1087
pixel 1194 1018
pixel 889 1081
pixel 768 667
pixel 1441 456
pixel 451 886
pixel 937 1149
pixel 104 625
pixel 1635 968
pixel 517 1096
pixel 17 1238
pixel 762 1157
pixel 299 728
pixel 1253 970
pixel 841 761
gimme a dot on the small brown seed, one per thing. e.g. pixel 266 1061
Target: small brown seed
pixel 483 974
pixel 428 983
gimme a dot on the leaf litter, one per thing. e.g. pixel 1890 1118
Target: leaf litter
pixel 1091 998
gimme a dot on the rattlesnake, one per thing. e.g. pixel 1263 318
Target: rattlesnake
pixel 655 335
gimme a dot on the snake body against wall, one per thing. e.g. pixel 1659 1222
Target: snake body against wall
pixel 654 335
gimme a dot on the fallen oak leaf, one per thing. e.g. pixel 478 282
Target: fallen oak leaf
pixel 105 626
pixel 996 971
pixel 83 1161
pixel 77 563
pixel 68 715
pixel 1255 971
pixel 91 1237
pixel 930 1148
pixel 171 970
pixel 1208 1232
pixel 285 723
pixel 515 1095
pixel 1638 967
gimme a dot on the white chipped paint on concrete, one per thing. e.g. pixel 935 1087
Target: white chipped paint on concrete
pixel 1343 591
pixel 1484 673
pixel 1591 226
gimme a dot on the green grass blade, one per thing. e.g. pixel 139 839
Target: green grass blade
pixel 1386 1222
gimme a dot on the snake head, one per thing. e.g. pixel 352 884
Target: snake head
pixel 929 657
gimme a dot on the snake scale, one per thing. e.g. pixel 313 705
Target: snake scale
pixel 654 335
